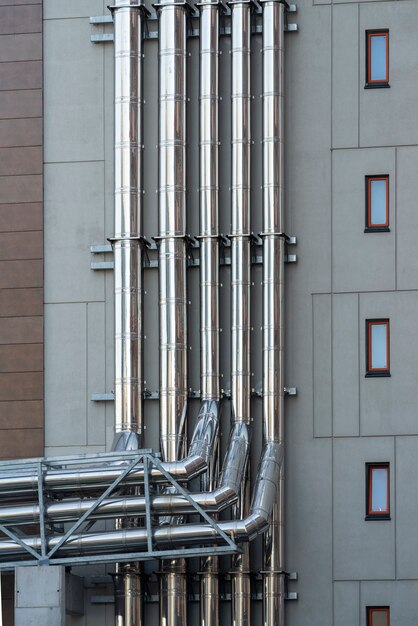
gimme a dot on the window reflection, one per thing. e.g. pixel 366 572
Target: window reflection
pixel 379 480
pixel 378 57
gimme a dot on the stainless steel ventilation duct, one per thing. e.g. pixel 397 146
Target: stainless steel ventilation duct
pixel 241 275
pixel 128 21
pixel 128 17
pixel 172 39
pixel 209 267
pixel 273 294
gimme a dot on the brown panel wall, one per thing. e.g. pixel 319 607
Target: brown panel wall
pixel 21 230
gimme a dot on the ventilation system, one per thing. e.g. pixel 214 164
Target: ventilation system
pixel 160 511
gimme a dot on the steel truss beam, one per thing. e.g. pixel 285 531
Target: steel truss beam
pixel 49 551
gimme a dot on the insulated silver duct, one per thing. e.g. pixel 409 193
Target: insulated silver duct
pixel 209 265
pixel 128 18
pixel 172 270
pixel 273 294
pixel 241 274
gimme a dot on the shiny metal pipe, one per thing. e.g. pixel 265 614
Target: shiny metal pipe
pixel 209 264
pixel 173 593
pixel 241 276
pixel 174 536
pixel 128 23
pixel 128 20
pixel 209 199
pixel 172 228
pixel 273 294
pixel 172 40
pixel 128 596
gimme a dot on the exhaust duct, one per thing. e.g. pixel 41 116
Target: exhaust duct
pixel 128 21
pixel 209 271
pixel 241 277
pixel 273 294
pixel 172 39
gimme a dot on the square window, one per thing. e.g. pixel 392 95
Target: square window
pixel 377 348
pixel 377 203
pixel 378 616
pixel 377 491
pixel 377 58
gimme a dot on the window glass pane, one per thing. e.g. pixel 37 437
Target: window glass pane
pixel 378 57
pixel 379 346
pixel 379 490
pixel 378 201
pixel 379 618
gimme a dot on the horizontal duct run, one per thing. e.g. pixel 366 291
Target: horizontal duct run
pixel 168 537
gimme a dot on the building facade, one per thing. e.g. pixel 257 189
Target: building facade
pixel 351 153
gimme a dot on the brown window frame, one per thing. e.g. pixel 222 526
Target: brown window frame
pixel 370 83
pixel 370 514
pixel 375 372
pixel 383 609
pixel 376 228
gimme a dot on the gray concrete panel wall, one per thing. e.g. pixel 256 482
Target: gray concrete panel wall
pixel 362 549
pixel 389 406
pixel 346 365
pixel 361 261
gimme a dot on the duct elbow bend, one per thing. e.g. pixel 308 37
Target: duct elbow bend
pixel 217 500
pixel 256 524
pixel 206 430
pixel 202 444
pixel 126 440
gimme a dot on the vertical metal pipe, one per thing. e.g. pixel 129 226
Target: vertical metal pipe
pixel 128 601
pixel 209 264
pixel 128 21
pixel 209 199
pixel 128 18
pixel 273 294
pixel 241 275
pixel 172 228
pixel 172 271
